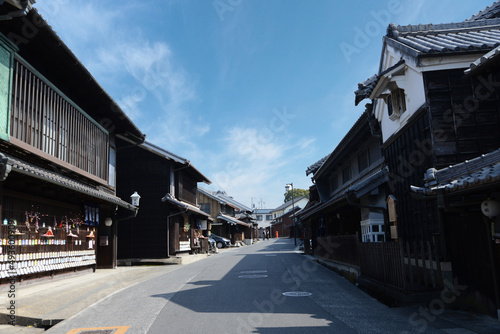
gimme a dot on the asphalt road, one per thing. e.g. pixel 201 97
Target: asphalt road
pixel 263 288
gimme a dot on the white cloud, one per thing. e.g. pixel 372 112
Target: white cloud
pixel 77 22
pixel 140 73
pixel 250 165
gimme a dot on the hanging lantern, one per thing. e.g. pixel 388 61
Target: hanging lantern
pixel 490 208
pixel 135 197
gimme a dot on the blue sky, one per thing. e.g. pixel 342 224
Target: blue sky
pixel 252 92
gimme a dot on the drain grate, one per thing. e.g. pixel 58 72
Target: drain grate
pixel 252 276
pixel 98 331
pixel 297 294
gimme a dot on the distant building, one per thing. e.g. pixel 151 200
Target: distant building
pixel 264 217
pixel 283 217
pixel 231 219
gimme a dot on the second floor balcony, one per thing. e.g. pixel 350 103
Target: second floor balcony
pixel 46 122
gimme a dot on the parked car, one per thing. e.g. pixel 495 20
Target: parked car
pixel 220 241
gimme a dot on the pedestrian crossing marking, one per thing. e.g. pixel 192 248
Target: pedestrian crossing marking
pixel 100 330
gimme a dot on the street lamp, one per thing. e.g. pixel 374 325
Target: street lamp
pixel 289 187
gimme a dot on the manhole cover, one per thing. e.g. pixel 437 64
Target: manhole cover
pixel 297 294
pixel 254 272
pixel 252 276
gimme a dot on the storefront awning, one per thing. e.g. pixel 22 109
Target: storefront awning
pixel 184 206
pixel 9 163
pixel 232 220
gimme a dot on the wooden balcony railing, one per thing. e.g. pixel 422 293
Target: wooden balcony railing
pixel 45 119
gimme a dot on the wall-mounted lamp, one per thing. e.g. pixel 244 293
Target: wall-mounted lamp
pixel 108 221
pixel 490 208
pixel 135 197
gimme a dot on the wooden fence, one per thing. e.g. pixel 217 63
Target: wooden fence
pixel 403 266
pixel 341 248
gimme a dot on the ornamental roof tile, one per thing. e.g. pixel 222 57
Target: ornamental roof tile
pixel 315 166
pixel 365 88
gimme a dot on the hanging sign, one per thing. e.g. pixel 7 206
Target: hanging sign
pixel 391 208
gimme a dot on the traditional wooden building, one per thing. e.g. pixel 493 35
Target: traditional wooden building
pixel 348 182
pixel 58 147
pixel 169 222
pixel 284 225
pixel 348 197
pixel 433 114
pixel 243 213
pixel 224 210
pixel 253 232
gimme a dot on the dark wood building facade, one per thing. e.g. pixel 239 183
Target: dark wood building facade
pixel 434 113
pixel 58 132
pixel 349 192
pixel 224 211
pixel 169 221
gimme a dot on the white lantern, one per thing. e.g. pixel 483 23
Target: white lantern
pixel 490 208
pixel 135 197
pixel 108 221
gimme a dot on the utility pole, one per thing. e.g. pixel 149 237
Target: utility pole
pixel 287 188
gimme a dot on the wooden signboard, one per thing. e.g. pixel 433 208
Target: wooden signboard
pixel 393 217
pixel 391 208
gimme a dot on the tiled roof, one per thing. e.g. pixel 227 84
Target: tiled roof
pixel 489 12
pixel 231 220
pixel 480 63
pixel 365 88
pixel 358 189
pixel 315 166
pixel 467 175
pixel 164 153
pixel 244 215
pixel 466 36
pixel 231 201
pixel 174 157
pixel 31 170
pixel 183 205
pixel 289 203
pixel 208 193
pixel 431 39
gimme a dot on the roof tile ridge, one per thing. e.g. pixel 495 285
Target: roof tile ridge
pixel 394 31
pixel 484 11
